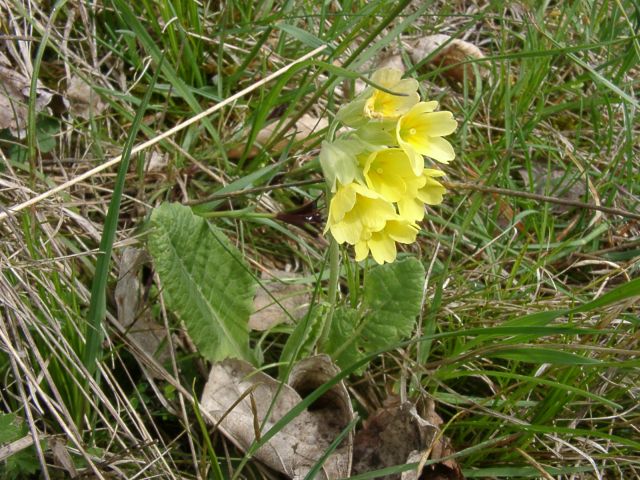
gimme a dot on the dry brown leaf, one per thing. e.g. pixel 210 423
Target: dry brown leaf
pixel 453 52
pixel 61 456
pixel 397 435
pixel 14 101
pixel 306 126
pixel 238 397
pixel 292 298
pixel 128 293
pixel 83 101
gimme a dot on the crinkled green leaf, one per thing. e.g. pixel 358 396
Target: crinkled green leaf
pixel 342 342
pixel 391 303
pixel 204 281
pixel 20 464
pixel 11 428
pixel 392 297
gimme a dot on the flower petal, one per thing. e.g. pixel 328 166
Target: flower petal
pixel 342 202
pixel 373 213
pixel 437 124
pixel 362 250
pixel 391 187
pixel 391 105
pixel 438 149
pixel 387 172
pixel 347 231
pixel 383 248
pixel 401 231
pixel 386 77
pixel 431 193
pixel 411 209
pixel 364 191
pixel 433 172
pixel 424 107
pixel 417 162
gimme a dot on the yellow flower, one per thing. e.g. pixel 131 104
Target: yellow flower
pixel 420 131
pixel 388 172
pixel 382 243
pixel 355 211
pixel 385 105
pixel 427 190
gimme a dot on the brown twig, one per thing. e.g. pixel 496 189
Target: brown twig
pixel 541 198
pixel 450 185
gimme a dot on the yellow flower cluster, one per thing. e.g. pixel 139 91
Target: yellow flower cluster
pixel 376 170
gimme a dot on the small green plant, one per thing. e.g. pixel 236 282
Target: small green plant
pixel 376 171
pixel 23 463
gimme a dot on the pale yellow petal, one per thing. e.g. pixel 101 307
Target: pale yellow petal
pixel 397 160
pixel 432 192
pixel 406 86
pixel 386 77
pixel 364 191
pixel 411 209
pixel 401 231
pixel 385 172
pixel 391 105
pixel 417 162
pixel 385 105
pixel 347 231
pixel 391 187
pixel 343 201
pixel 383 248
pixel 437 124
pixel 426 107
pixel 433 172
pixel 438 149
pixel 373 213
pixel 362 251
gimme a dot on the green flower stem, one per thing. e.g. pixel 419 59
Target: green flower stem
pixel 331 133
pixel 332 292
pixel 334 262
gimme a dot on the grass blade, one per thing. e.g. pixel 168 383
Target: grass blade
pixel 98 303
